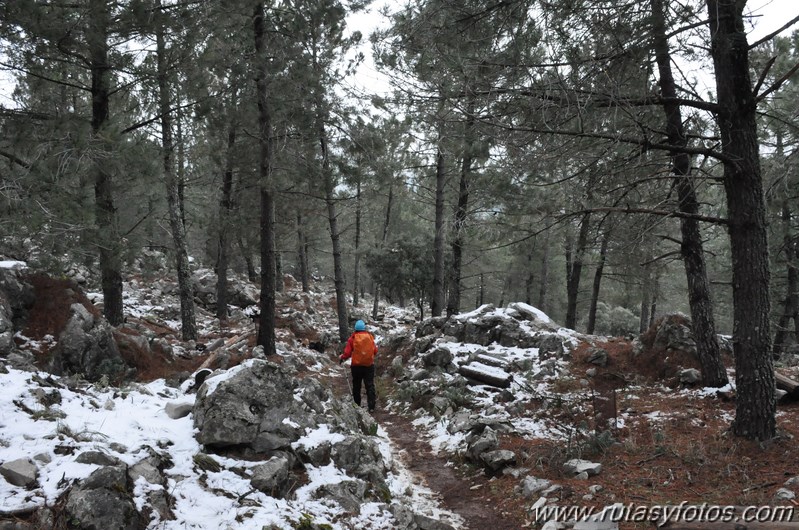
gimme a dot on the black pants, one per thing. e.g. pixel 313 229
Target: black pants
pixel 367 375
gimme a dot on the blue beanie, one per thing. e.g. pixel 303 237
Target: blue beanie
pixel 360 326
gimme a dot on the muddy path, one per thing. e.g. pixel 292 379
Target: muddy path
pixel 462 495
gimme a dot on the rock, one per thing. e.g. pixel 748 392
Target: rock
pixel 178 410
pixel 550 345
pixel 103 500
pixel 424 522
pixel 576 466
pixel 350 494
pixel 97 458
pixel 440 356
pixel 532 485
pixel 598 356
pixel 87 346
pixel 779 394
pixel 396 367
pixel 496 460
pixel 403 517
pixel 439 405
pixel 421 375
pixel 784 494
pixel 148 470
pixel 591 372
pixel 271 477
pixel 21 472
pixel 250 408
pixel 690 376
pixel 423 344
pixel 477 444
pixel 360 456
pixel 430 326
pixel 673 332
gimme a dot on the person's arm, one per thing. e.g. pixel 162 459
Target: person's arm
pixel 347 350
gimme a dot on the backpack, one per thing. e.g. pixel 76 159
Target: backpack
pixel 363 349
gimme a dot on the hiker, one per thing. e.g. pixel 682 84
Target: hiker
pixel 362 348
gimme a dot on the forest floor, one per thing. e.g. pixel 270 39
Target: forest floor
pixel 666 448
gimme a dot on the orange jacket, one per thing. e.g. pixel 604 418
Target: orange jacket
pixel 362 348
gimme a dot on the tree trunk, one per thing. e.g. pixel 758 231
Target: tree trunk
pixel 603 250
pixel 790 306
pixel 302 253
pixel 542 291
pixel 332 217
pixel 109 241
pixel 185 286
pixel 383 239
pixel 529 280
pixel 574 270
pixel 702 321
pixel 266 330
pixel 646 299
pixel 461 212
pixel 357 268
pixel 246 255
pixel 438 241
pixel 225 208
pixel 755 402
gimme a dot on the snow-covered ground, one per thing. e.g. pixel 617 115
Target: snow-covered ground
pixel 125 423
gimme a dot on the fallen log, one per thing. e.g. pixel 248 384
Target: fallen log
pixel 786 383
pixel 486 374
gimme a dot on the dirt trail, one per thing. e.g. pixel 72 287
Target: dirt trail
pixel 464 496
pixel 459 495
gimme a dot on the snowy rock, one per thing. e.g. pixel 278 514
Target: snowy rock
pixel 361 457
pixel 421 375
pixel 477 444
pixel 272 476
pixel 147 470
pixel 438 357
pixel 103 500
pixel 22 472
pixel 550 345
pixel 97 458
pixel 496 460
pixel 350 494
pixel 532 485
pixel 576 466
pixel 439 405
pixel 430 326
pixel 403 517
pixel 424 522
pixel 396 367
pixel 690 376
pixel 248 408
pixel 423 344
pixel 178 410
